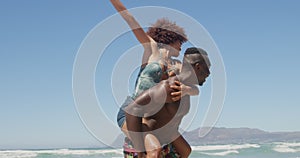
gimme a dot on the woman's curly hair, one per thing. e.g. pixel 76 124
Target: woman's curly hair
pixel 166 32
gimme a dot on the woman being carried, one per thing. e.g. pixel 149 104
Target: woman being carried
pixel 161 42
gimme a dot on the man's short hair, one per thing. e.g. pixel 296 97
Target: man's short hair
pixel 195 55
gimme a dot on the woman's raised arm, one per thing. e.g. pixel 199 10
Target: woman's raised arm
pixel 139 32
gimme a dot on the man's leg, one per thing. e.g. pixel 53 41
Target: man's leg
pixel 153 146
pixel 182 147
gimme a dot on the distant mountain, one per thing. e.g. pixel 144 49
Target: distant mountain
pixel 239 135
pixel 220 135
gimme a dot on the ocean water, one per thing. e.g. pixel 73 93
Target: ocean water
pixel 269 150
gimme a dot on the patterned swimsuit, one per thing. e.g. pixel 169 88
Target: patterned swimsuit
pixel 149 76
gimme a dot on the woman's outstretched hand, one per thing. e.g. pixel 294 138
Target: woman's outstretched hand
pixel 180 90
pixel 183 90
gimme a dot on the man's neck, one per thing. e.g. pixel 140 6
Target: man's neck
pixel 184 77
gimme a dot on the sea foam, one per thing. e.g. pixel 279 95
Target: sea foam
pixel 283 147
pixel 225 147
pixel 222 150
pixel 223 153
pixel 58 152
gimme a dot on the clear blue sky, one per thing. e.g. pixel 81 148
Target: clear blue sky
pixel 258 40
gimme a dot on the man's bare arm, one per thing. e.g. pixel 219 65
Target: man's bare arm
pixel 159 94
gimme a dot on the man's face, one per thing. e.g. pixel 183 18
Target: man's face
pixel 202 72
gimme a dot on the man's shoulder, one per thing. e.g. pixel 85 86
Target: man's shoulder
pixel 168 81
pixel 172 79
